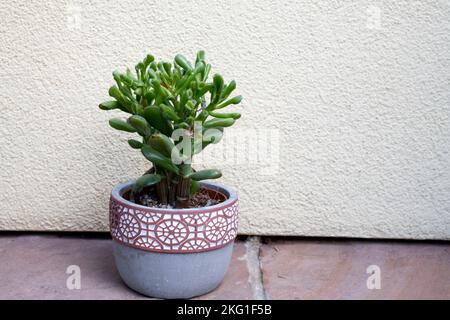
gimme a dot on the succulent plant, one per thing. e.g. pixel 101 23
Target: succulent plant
pixel 174 108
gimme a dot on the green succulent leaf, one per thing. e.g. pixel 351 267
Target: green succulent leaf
pixel 185 83
pixel 115 92
pixel 155 118
pixel 145 181
pixel 183 62
pixel 158 159
pixel 162 144
pixel 119 124
pixel 205 174
pixel 200 57
pixel 148 59
pixel 109 105
pixel 135 144
pixel 183 125
pixel 228 89
pixel 169 112
pixel 234 100
pixel 194 187
pixel 140 124
pixel 168 67
pixel 218 86
pixel 233 115
pixel 206 72
pixel 211 136
pixel 153 75
pixel 199 68
pixel 218 122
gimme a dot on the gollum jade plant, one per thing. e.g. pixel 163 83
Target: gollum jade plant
pixel 174 110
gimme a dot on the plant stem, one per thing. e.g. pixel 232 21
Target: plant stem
pixel 183 192
pixel 161 190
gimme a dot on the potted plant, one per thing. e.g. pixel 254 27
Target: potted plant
pixel 172 231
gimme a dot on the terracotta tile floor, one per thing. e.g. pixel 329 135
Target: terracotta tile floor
pixel 33 266
pixel 312 269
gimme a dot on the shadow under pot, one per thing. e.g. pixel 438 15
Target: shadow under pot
pixel 173 253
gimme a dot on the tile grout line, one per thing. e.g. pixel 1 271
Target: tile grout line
pixel 255 278
pixel 265 296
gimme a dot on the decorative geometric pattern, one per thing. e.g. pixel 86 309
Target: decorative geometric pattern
pixel 233 228
pixel 148 217
pixel 196 219
pixel 148 242
pixel 129 226
pixel 216 228
pixel 173 230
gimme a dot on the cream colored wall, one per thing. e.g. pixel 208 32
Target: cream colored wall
pixel 356 93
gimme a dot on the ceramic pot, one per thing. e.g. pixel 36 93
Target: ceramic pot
pixel 173 253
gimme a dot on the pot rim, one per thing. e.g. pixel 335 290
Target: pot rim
pixel 229 193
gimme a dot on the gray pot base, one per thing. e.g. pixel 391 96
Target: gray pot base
pixel 172 275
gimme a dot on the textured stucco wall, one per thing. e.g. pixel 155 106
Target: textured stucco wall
pixel 356 93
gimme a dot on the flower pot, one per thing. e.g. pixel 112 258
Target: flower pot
pixel 173 253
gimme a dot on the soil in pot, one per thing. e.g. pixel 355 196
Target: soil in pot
pixel 202 198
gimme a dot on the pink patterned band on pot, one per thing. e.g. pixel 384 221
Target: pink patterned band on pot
pixel 174 231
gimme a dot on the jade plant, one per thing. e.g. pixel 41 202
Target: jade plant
pixel 174 108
